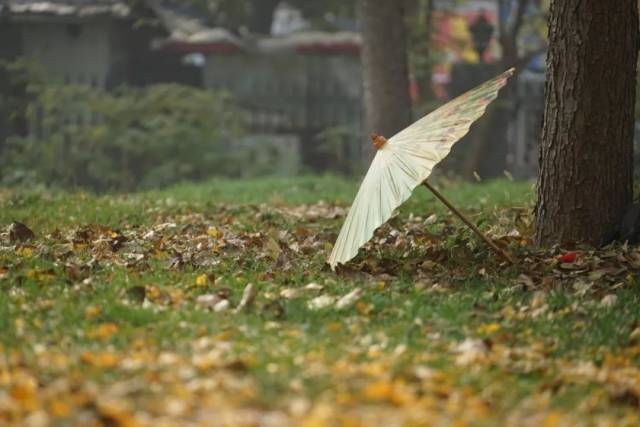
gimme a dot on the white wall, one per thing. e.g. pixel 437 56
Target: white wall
pixel 326 88
pixel 73 59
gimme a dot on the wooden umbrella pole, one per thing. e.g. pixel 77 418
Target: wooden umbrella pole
pixel 472 226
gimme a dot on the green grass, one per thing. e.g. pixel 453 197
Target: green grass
pixel 53 208
pixel 547 352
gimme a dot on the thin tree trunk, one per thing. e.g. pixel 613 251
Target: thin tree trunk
pixel 586 155
pixel 262 16
pixel 385 69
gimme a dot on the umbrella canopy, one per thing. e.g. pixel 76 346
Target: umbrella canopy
pixel 405 161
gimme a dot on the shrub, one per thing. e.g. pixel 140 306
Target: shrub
pixel 132 138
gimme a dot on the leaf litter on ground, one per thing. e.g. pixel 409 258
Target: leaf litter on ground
pixel 227 315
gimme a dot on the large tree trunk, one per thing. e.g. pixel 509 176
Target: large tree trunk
pixel 384 60
pixel 586 155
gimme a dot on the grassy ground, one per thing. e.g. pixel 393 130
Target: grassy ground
pixel 126 310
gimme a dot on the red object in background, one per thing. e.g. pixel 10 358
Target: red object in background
pixel 568 257
pixel 414 90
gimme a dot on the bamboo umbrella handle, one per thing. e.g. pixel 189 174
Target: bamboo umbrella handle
pixel 471 225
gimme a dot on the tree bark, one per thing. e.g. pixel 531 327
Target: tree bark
pixel 385 68
pixel 586 154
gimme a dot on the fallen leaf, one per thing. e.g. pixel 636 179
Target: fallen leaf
pixel 215 232
pixel 321 302
pixel 100 359
pixel 525 280
pixel 314 287
pixel 25 251
pixel 117 414
pixel 379 391
pixel 18 232
pixel 567 258
pixel 273 248
pixel 208 300
pixel 24 392
pixel 349 299
pixel 538 299
pixel 364 308
pixel 488 328
pixel 103 331
pixel 470 351
pixel 92 311
pixel 248 297
pixel 201 280
pixel 609 301
pixel 222 306
pixel 290 293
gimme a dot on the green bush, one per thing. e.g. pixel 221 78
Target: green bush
pixel 132 138
pixel 19 82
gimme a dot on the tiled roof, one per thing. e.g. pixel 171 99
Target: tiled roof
pixel 78 8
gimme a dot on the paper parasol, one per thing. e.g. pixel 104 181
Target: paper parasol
pixel 405 161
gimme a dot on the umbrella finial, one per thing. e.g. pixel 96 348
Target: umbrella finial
pixel 378 140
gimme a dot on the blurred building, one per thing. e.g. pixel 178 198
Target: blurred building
pixel 287 19
pixel 300 90
pixel 102 43
pixel 293 88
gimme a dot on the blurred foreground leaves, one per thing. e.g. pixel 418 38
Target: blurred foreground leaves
pixel 228 316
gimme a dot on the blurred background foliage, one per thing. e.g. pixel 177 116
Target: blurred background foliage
pixel 127 139
pixel 108 136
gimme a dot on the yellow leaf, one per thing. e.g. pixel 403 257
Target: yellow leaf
pixel 375 368
pixel 41 275
pixel 364 308
pixel 394 392
pixel 225 335
pixel 100 360
pixel 25 251
pixel 273 248
pixel 488 328
pixel 24 393
pixel 320 416
pixel 508 312
pixel 79 246
pixel 103 331
pixel 176 295
pixel 344 398
pixel 215 232
pixel 553 419
pixel 350 421
pixel 314 421
pixel 334 327
pixel 201 280
pixel 379 391
pixel 92 311
pixel 58 408
pixel 161 255
pixel 118 415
